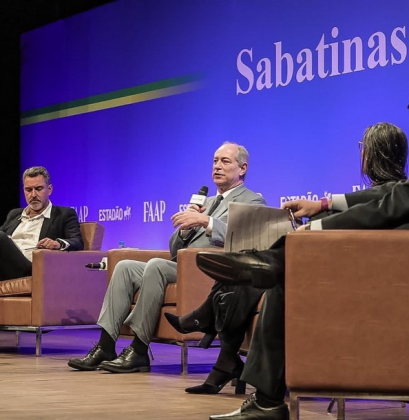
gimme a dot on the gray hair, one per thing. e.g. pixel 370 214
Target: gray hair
pixel 36 171
pixel 242 155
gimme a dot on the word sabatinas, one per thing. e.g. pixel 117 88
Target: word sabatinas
pixel 327 59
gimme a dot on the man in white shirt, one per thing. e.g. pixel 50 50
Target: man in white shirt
pixel 38 226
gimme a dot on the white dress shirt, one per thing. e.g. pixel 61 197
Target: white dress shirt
pixel 27 233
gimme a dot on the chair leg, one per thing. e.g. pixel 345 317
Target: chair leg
pixel 331 405
pixel 151 356
pixel 17 338
pixel 38 342
pixel 294 407
pixel 341 409
pixel 184 358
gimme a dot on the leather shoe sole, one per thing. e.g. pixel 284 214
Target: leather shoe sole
pixel 254 412
pixel 236 268
pixel 117 369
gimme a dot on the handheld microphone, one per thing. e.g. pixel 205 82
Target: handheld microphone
pixel 200 198
pixel 103 265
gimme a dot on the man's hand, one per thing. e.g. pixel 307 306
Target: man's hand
pixel 48 243
pixel 195 207
pixel 190 218
pixel 303 208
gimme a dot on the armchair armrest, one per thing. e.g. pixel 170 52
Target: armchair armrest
pixel 116 255
pixel 64 292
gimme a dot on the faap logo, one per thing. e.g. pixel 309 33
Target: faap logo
pixel 309 196
pixel 153 211
pixel 115 214
pixel 82 213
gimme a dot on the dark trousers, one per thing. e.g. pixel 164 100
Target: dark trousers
pixel 13 263
pixel 265 365
pixel 227 311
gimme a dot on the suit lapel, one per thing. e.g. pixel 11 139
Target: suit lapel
pixel 13 225
pixel 221 209
pixel 46 224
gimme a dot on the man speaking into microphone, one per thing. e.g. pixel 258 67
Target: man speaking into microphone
pixel 199 226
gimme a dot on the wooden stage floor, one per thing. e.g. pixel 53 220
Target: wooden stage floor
pixel 46 388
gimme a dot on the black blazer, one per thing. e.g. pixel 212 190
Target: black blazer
pixel 382 207
pixel 62 224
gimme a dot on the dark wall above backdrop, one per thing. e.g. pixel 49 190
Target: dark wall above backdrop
pixel 17 16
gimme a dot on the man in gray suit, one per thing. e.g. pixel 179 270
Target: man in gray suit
pixel 197 228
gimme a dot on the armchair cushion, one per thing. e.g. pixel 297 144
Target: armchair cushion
pixel 16 287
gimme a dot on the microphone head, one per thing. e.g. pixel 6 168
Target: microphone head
pixel 203 191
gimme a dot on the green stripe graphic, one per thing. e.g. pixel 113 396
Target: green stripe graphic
pixel 161 89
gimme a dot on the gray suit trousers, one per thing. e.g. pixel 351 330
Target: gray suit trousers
pixel 128 277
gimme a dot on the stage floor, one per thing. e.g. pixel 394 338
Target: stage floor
pixel 46 388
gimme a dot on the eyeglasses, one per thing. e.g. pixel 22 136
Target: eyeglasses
pixel 361 146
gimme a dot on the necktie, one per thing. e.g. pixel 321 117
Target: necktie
pixel 215 204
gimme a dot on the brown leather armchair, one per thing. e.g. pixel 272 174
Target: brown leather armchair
pixel 61 293
pixel 190 290
pixel 347 297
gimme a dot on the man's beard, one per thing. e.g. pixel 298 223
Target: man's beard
pixel 35 205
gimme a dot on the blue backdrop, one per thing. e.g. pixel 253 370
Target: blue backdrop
pixel 126 104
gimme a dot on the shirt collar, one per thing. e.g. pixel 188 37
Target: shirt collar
pixel 226 193
pixel 46 213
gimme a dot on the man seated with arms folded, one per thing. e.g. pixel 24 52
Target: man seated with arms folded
pixel 384 206
pixel 38 226
pixel 230 166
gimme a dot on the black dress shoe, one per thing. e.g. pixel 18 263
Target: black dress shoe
pixel 233 268
pixel 92 360
pixel 225 378
pixel 250 410
pixel 127 362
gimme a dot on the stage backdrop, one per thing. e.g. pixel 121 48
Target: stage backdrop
pixel 126 104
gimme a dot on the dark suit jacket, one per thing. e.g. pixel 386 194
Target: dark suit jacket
pixel 62 224
pixel 382 207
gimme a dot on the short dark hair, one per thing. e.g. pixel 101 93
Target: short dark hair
pixel 36 171
pixel 384 154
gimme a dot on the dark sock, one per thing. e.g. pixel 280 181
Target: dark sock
pixel 266 402
pixel 139 346
pixel 106 342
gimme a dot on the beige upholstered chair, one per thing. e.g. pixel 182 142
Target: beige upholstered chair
pixel 61 293
pixel 347 295
pixel 190 290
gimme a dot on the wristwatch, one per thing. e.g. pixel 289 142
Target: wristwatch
pixel 63 245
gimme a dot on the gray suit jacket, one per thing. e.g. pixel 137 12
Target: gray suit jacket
pixel 200 240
